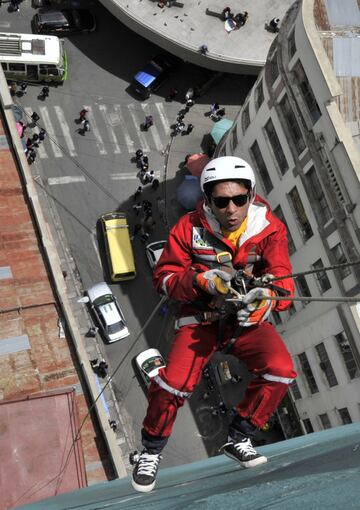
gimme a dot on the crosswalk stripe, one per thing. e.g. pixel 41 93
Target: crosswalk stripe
pixel 66 130
pixel 153 130
pixel 144 144
pixel 129 142
pixel 127 175
pixel 163 118
pixel 40 150
pixel 103 109
pixel 44 114
pixel 93 126
pixel 66 179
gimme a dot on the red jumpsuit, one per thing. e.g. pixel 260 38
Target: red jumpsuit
pixel 192 246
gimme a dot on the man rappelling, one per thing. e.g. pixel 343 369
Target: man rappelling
pixel 232 238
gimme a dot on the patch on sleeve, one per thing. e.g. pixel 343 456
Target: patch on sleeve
pixel 199 241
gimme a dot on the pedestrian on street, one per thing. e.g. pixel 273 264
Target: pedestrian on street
pixel 189 128
pixel 179 127
pixel 102 369
pixel 13 88
pixel 137 208
pixel 138 157
pixel 23 87
pixel 144 164
pixel 203 49
pixel 15 5
pixel 172 94
pixel 231 219
pixel 29 144
pixel 148 177
pixel 82 115
pixel 31 156
pixel 149 121
pixel 137 193
pixel 86 125
pixel 241 18
pixel 155 184
pixel 45 92
pixel 189 98
pixel 274 24
pixel 42 135
pixel 35 140
pixel 35 117
pixel 213 110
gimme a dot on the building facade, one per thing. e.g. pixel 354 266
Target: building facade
pixel 299 127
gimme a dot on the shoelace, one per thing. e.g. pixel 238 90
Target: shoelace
pixel 148 464
pixel 245 447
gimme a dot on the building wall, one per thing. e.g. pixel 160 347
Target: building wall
pixel 302 73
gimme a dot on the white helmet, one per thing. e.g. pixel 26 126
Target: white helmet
pixel 227 168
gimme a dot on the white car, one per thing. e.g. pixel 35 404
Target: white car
pixel 154 251
pixel 107 312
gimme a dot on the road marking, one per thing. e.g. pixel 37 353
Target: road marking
pixel 153 129
pixel 66 179
pixel 44 114
pixel 5 24
pixel 121 121
pixel 144 145
pixel 41 151
pixel 93 239
pixel 127 175
pixel 94 129
pixel 163 118
pixel 66 130
pixel 103 109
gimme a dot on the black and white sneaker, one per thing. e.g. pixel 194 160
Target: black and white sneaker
pixel 145 470
pixel 243 452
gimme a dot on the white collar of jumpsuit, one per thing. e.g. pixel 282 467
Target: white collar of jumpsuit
pixel 256 223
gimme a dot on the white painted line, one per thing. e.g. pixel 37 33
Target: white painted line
pixel 66 179
pixel 5 24
pixel 40 150
pixel 153 129
pixel 66 130
pixel 144 145
pixel 163 118
pixel 45 119
pixel 93 238
pixel 94 129
pixel 121 121
pixel 127 175
pixel 112 136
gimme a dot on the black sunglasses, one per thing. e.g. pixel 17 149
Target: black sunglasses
pixel 238 200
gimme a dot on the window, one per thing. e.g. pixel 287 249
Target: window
pixel 276 147
pixel 17 67
pixel 234 139
pixel 347 355
pixel 295 390
pixel 291 45
pixel 308 426
pixel 322 280
pixel 300 215
pixel 325 422
pixel 245 118
pixel 302 288
pixel 340 258
pixel 308 373
pixel 260 164
pixel 259 95
pixel 318 199
pixel 345 416
pixel 307 92
pixel 273 68
pixel 325 365
pixel 4 66
pixel 279 213
pixel 292 126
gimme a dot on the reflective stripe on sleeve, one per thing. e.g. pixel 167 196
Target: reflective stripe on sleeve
pixel 165 386
pixel 276 378
pixel 163 285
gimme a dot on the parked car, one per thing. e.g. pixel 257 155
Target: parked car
pixel 66 21
pixel 148 364
pixel 153 252
pixel 152 75
pixel 107 312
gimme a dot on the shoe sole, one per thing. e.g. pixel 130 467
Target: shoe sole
pixel 142 488
pixel 249 463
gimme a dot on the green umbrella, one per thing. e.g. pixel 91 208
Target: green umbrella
pixel 220 128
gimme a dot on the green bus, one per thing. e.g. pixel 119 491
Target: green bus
pixel 33 58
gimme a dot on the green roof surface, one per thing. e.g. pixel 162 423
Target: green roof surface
pixel 316 471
